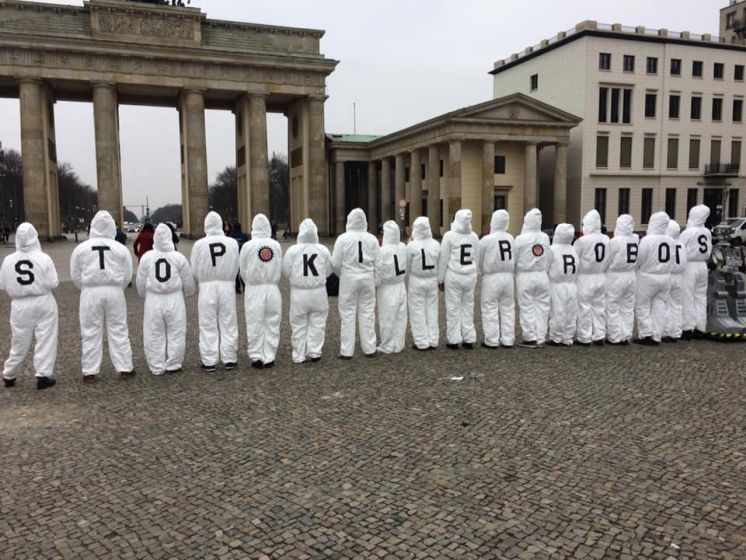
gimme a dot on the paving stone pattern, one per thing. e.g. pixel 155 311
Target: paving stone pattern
pixel 615 453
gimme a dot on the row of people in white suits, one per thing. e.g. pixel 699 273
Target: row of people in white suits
pixel 586 292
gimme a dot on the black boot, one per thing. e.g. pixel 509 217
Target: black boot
pixel 452 346
pixel 258 364
pixel 647 341
pixel 468 345
pixel 45 382
pixel 9 382
pixel 269 365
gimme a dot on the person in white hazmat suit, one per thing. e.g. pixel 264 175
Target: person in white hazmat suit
pixel 697 240
pixel 357 259
pixel 261 269
pixel 672 330
pixel 593 252
pixel 101 268
pixel 164 276
pixel 563 269
pixel 392 291
pixel 457 272
pixel 654 261
pixel 422 266
pixel 497 264
pixel 621 282
pixel 532 281
pixel 307 264
pixel 215 267
pixel 28 276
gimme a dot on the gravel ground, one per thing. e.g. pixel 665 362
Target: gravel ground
pixel 555 453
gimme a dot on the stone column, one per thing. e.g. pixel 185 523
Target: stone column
pixel 454 180
pixel 433 186
pixel 258 160
pixel 243 187
pixel 385 189
pixel 318 196
pixel 530 178
pixel 108 162
pixel 41 201
pixel 373 196
pixel 560 183
pixel 194 162
pixel 415 186
pixel 488 182
pixel 339 197
pixel 399 187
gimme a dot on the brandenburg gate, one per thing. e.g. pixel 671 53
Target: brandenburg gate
pixel 112 52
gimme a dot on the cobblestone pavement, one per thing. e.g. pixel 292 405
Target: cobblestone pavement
pixel 554 453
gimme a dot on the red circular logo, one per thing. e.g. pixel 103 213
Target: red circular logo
pixel 537 250
pixel 266 254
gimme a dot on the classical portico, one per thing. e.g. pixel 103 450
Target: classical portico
pixel 481 157
pixel 112 52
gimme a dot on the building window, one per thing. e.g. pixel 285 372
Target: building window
pixel 717 71
pixel 717 109
pixel 737 110
pixel 735 152
pixel 406 174
pixel 715 152
pixel 671 203
pixel 604 61
pixel 608 105
pixel 501 202
pixel 676 67
pixel 648 153
pixel 442 167
pixel 652 65
pixel 738 72
pixel 733 203
pixel 650 102
pixel 602 151
pixel 599 203
pixel 697 68
pixel 623 203
pixel 730 20
pixel 696 111
pixel 500 165
pixel 673 106
pixel 694 153
pixel 625 152
pixel 691 199
pixel 647 205
pixel 629 63
pixel 672 161
pixel 534 82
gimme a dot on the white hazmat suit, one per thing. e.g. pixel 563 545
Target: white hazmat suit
pixel 563 312
pixel 29 276
pixel 422 265
pixel 697 240
pixel 261 269
pixel 163 278
pixel 102 268
pixel 307 264
pixel 654 263
pixel 457 271
pixel 675 321
pixel 357 260
pixel 621 281
pixel 392 291
pixel 593 257
pixel 215 266
pixel 532 282
pixel 497 264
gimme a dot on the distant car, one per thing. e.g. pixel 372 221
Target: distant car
pixel 732 230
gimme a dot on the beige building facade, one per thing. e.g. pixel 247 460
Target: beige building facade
pixel 482 157
pixel 112 52
pixel 662 118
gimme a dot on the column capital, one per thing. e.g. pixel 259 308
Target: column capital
pixel 103 84
pixel 321 98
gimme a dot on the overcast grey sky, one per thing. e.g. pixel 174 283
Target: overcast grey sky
pixel 401 62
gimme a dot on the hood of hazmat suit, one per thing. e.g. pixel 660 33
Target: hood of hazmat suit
pixel 27 239
pixel 308 232
pixel 625 225
pixel 532 221
pixel 658 223
pixel 260 227
pixel 391 234
pixel 462 221
pixel 563 234
pixel 213 224
pixel 592 222
pixel 102 225
pixel 163 240
pixel 500 221
pixel 698 216
pixel 421 228
pixel 356 220
pixel 673 229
